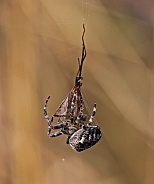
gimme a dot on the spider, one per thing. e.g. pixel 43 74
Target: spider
pixel 71 120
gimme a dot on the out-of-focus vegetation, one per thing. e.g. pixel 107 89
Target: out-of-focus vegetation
pixel 40 42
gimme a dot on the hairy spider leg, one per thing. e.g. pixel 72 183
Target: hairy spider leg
pixel 58 126
pixel 49 120
pixel 81 117
pixel 92 115
pixel 55 134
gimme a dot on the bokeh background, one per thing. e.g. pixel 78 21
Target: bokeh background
pixel 40 41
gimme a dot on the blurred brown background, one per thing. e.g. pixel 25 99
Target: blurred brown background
pixel 40 42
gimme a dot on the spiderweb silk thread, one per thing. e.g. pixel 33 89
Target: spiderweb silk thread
pixel 86 10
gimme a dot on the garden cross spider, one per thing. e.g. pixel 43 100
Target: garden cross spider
pixel 71 120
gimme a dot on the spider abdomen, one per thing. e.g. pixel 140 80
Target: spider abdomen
pixel 85 138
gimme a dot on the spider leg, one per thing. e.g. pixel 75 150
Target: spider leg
pixel 68 138
pixel 60 125
pixel 81 117
pixel 92 115
pixel 55 134
pixel 49 120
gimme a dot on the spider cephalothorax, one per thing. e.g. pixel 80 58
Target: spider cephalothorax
pixel 71 120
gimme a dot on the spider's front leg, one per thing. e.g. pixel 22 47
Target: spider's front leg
pixel 49 120
pixel 92 115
